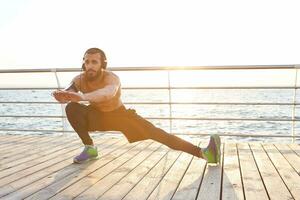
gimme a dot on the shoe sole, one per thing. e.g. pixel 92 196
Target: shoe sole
pixel 80 162
pixel 217 141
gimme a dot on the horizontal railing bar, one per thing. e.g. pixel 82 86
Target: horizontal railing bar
pixel 46 70
pixel 31 116
pixel 221 119
pixel 35 130
pixel 212 87
pixel 158 103
pixel 49 130
pixel 238 135
pixel 190 134
pixel 28 102
pixel 224 67
pixel 165 118
pixel 159 68
pixel 165 88
pixel 210 103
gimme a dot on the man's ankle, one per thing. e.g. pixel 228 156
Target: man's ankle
pixel 203 153
pixel 90 145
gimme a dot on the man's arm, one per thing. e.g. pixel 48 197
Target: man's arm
pixel 99 95
pixel 60 95
pixel 106 93
pixel 71 87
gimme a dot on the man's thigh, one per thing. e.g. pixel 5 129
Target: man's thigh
pixel 104 121
pixel 130 124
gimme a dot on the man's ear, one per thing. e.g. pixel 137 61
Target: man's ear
pixel 82 66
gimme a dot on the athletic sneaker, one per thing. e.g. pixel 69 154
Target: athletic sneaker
pixel 88 153
pixel 213 151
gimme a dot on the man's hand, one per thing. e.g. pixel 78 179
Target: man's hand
pixel 66 96
pixel 74 96
pixel 60 96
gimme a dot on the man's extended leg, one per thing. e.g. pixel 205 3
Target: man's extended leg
pixel 165 138
pixel 137 128
pixel 137 124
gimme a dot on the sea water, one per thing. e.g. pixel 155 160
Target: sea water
pixel 159 110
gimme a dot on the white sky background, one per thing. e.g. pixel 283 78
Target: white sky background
pixel 55 33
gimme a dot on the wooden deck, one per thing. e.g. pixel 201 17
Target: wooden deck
pixel 40 167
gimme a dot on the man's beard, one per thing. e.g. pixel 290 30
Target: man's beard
pixel 93 76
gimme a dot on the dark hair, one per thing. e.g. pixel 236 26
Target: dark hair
pixel 96 50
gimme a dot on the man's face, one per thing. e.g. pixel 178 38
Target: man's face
pixel 92 63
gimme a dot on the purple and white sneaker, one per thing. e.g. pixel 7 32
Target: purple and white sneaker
pixel 88 153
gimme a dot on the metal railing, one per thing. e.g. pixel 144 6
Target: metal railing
pixel 293 119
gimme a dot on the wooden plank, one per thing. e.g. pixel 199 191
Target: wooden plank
pixel 26 140
pixel 36 159
pixel 189 185
pixel 61 179
pixel 151 179
pixel 275 187
pixel 22 139
pixel 296 148
pixel 120 189
pixel 8 139
pixel 102 179
pixel 36 154
pixel 120 174
pixel 252 182
pixel 286 171
pixel 5 135
pixel 211 184
pixel 232 187
pixel 40 160
pixel 34 150
pixel 24 177
pixel 290 155
pixel 13 138
pixel 168 185
pixel 39 180
pixel 13 149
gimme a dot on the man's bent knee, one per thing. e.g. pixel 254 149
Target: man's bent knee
pixel 71 107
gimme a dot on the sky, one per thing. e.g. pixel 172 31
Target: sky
pixel 139 33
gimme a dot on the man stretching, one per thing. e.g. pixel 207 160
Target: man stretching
pixel 106 112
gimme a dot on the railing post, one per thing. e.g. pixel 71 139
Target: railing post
pixel 61 105
pixel 294 104
pixel 170 101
